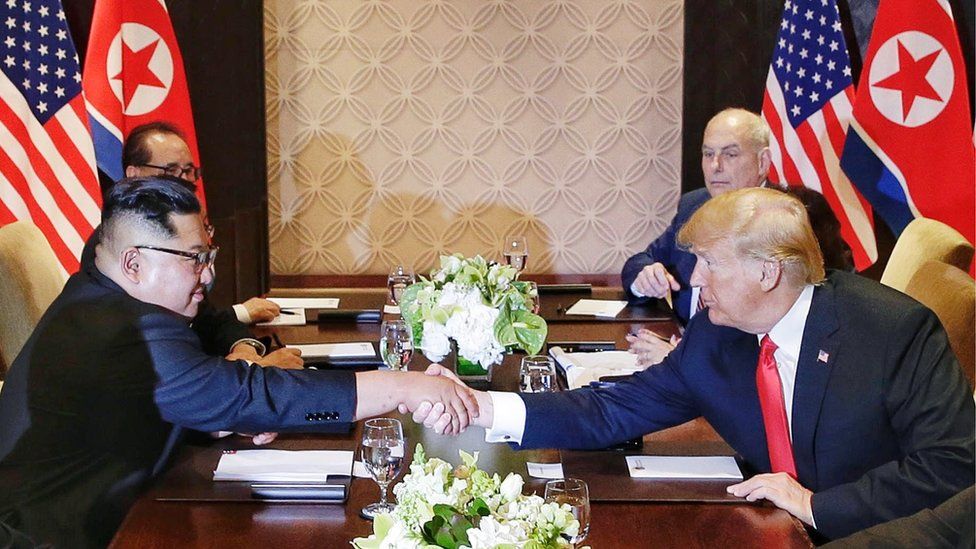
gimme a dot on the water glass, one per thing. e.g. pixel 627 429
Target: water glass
pixel 537 374
pixel 381 452
pixel 572 492
pixel 400 277
pixel 396 344
pixel 516 252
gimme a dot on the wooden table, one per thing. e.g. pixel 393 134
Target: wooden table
pixel 166 524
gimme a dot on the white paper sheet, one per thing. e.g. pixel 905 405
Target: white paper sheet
pixel 544 470
pixel 283 465
pixel 582 368
pixel 690 467
pixel 296 318
pixel 318 350
pixel 597 307
pixel 306 302
pixel 391 309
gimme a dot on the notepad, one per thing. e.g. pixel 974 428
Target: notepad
pixel 597 307
pixel 293 317
pixel 283 465
pixel 335 350
pixel 684 467
pixel 544 470
pixel 582 368
pixel 306 302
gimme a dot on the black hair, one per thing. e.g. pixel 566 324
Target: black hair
pixel 135 151
pixel 152 199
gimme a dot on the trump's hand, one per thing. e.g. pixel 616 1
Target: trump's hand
pixel 655 281
pixel 434 415
pixel 780 489
pixel 456 403
pixel 261 310
pixel 650 348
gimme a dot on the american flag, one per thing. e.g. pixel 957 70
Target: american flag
pixel 47 162
pixel 807 105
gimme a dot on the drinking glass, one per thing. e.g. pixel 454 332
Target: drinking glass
pixel 572 492
pixel 516 252
pixel 537 374
pixel 382 453
pixel 396 344
pixel 400 278
pixel 534 294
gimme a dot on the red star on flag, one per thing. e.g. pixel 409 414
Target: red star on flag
pixel 135 64
pixel 910 79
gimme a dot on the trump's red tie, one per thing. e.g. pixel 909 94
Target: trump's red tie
pixel 774 410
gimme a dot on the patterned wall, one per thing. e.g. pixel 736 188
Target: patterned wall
pixel 402 129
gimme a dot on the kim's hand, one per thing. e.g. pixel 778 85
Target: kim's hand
pixel 286 357
pixel 655 281
pixel 780 489
pixel 455 404
pixel 261 310
pixel 650 348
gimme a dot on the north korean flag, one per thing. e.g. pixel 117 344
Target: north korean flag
pixel 134 75
pixel 909 149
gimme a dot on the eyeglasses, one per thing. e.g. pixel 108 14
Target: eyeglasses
pixel 191 172
pixel 201 260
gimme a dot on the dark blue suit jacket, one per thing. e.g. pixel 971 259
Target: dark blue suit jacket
pixel 882 421
pixel 95 402
pixel 665 250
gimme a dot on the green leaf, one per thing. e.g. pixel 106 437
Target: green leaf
pixel 445 540
pixel 530 330
pixel 478 507
pixel 431 527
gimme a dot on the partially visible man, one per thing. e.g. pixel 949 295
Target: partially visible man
pixel 842 392
pixel 159 148
pixel 735 155
pixel 97 399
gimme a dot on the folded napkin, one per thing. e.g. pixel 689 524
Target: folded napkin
pixel 283 465
pixel 582 368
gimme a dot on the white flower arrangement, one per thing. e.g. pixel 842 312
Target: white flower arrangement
pixel 480 305
pixel 463 507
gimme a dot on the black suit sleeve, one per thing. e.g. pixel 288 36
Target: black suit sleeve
pixel 218 329
pixel 931 413
pixel 948 526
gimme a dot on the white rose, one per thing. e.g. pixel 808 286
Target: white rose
pixel 435 342
pixel 511 487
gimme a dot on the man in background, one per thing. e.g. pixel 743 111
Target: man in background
pixel 98 398
pixel 843 393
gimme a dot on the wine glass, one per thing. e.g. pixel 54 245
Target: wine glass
pixel 382 453
pixel 400 278
pixel 396 344
pixel 572 492
pixel 516 252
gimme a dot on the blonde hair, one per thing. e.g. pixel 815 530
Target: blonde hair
pixel 762 224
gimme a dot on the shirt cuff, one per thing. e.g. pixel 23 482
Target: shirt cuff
pixel 508 418
pixel 240 311
pixel 258 346
pixel 635 291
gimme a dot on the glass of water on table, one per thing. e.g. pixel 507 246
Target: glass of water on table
pixel 382 453
pixel 400 277
pixel 396 344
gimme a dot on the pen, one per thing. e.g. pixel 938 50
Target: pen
pixel 277 340
pixel 286 312
pixel 655 334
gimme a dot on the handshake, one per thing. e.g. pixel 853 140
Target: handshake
pixel 439 400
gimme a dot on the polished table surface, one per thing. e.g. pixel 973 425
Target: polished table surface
pixel 157 521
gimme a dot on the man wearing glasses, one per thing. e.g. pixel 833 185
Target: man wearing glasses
pixel 97 399
pixel 159 148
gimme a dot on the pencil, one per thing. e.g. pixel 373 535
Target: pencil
pixel 277 340
pixel 286 312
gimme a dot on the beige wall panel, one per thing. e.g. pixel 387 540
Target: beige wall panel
pixel 404 129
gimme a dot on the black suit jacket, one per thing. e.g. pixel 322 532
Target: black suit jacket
pixel 882 421
pixel 665 250
pixel 94 403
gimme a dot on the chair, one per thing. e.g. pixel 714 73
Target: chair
pixel 924 239
pixel 951 294
pixel 30 278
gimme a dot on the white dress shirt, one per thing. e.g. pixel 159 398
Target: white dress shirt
pixel 508 417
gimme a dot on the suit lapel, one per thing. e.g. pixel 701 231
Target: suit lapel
pixel 818 353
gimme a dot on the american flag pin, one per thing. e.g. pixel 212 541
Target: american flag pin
pixel 823 356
